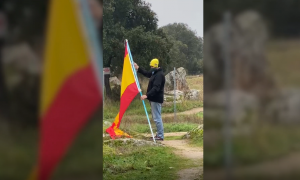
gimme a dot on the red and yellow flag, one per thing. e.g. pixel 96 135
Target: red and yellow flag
pixel 70 89
pixel 129 90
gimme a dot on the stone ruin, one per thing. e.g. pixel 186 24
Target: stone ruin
pixel 22 69
pixel 253 88
pixel 182 89
pixel 180 76
pixel 249 70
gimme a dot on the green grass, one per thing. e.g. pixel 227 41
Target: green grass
pixel 200 115
pixel 17 154
pixel 193 118
pixel 172 138
pixel 168 127
pixel 267 142
pixel 197 142
pixel 139 124
pixel 196 137
pixel 135 163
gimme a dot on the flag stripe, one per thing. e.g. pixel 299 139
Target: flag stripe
pixel 116 122
pixel 127 75
pixel 76 100
pixel 130 92
pixel 66 49
pixel 128 95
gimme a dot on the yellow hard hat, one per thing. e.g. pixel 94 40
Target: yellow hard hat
pixel 154 63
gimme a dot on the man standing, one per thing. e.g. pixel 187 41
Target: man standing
pixel 155 94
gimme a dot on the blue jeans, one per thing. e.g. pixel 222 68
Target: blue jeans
pixel 156 116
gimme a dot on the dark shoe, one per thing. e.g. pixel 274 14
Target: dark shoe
pixel 152 137
pixel 158 139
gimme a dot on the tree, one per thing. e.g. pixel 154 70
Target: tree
pixel 27 19
pixel 133 20
pixel 3 88
pixel 187 47
pixel 282 16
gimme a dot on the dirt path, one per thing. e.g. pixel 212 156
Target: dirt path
pixel 164 115
pixel 167 134
pixel 192 111
pixel 183 149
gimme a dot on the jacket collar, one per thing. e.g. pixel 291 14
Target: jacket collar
pixel 157 70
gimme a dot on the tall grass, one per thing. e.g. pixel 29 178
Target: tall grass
pixel 140 124
pixel 283 58
pixel 111 108
pixel 196 137
pixel 193 118
pixel 168 127
pixel 195 82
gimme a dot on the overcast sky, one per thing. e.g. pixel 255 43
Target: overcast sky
pixel 189 12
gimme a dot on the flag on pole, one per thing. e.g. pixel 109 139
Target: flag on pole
pixel 70 92
pixel 138 85
pixel 129 90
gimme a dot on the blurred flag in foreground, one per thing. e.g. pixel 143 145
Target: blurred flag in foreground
pixel 71 88
pixel 129 90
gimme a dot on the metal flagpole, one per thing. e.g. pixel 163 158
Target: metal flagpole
pixel 94 44
pixel 138 85
pixel 175 94
pixel 227 75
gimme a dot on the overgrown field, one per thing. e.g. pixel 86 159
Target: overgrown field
pixel 195 82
